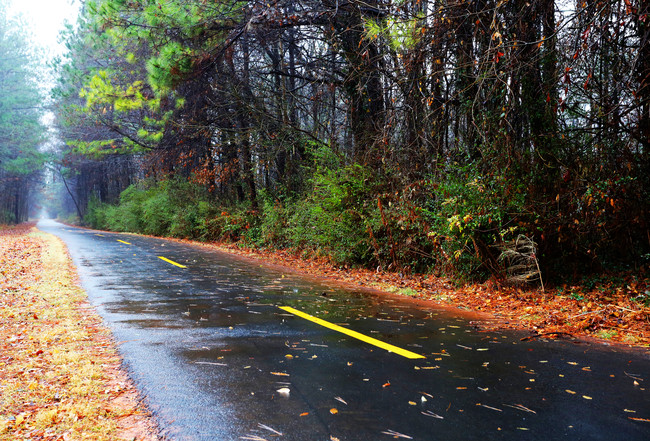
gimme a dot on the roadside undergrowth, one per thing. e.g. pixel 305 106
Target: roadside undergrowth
pixel 60 376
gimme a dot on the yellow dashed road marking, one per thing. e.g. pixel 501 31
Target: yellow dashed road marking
pixel 172 262
pixel 354 334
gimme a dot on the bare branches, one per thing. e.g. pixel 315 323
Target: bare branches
pixel 520 260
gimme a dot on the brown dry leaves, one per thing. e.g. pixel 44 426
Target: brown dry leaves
pixel 600 313
pixel 59 370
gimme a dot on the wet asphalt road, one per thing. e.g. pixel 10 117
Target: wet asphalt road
pixel 217 359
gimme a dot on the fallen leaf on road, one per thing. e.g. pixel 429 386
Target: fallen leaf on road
pixel 520 407
pixel 489 407
pixel 284 391
pixel 270 429
pixel 433 415
pixel 396 434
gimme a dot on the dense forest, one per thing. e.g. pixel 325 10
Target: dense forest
pixel 474 138
pixel 21 126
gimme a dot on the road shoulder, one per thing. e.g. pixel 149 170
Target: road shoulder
pixel 60 371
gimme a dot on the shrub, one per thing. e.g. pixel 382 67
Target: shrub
pixel 469 214
pixel 346 214
pixel 273 221
pixel 331 221
pixel 157 211
pixel 95 214
pixel 7 217
pixel 129 211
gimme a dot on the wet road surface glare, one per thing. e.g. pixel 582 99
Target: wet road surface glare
pixel 222 348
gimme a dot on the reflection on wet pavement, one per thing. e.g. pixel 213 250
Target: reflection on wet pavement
pixel 217 359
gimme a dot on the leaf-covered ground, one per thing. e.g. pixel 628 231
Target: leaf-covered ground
pixel 614 307
pixel 60 376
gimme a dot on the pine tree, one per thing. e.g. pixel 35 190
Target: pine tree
pixel 21 128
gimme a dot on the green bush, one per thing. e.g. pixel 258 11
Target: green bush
pixel 233 224
pixel 113 218
pixel 157 211
pixel 346 214
pixel 189 220
pixel 129 215
pixel 95 214
pixel 273 220
pixel 331 220
pixel 7 217
pixel 469 214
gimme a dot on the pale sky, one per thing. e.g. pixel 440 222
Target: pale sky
pixel 46 19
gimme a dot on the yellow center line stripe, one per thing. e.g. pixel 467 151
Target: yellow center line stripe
pixel 172 262
pixel 123 241
pixel 354 334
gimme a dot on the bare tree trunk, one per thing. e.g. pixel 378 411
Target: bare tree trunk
pixel 643 75
pixel 74 200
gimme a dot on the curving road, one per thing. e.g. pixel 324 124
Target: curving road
pixel 223 348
